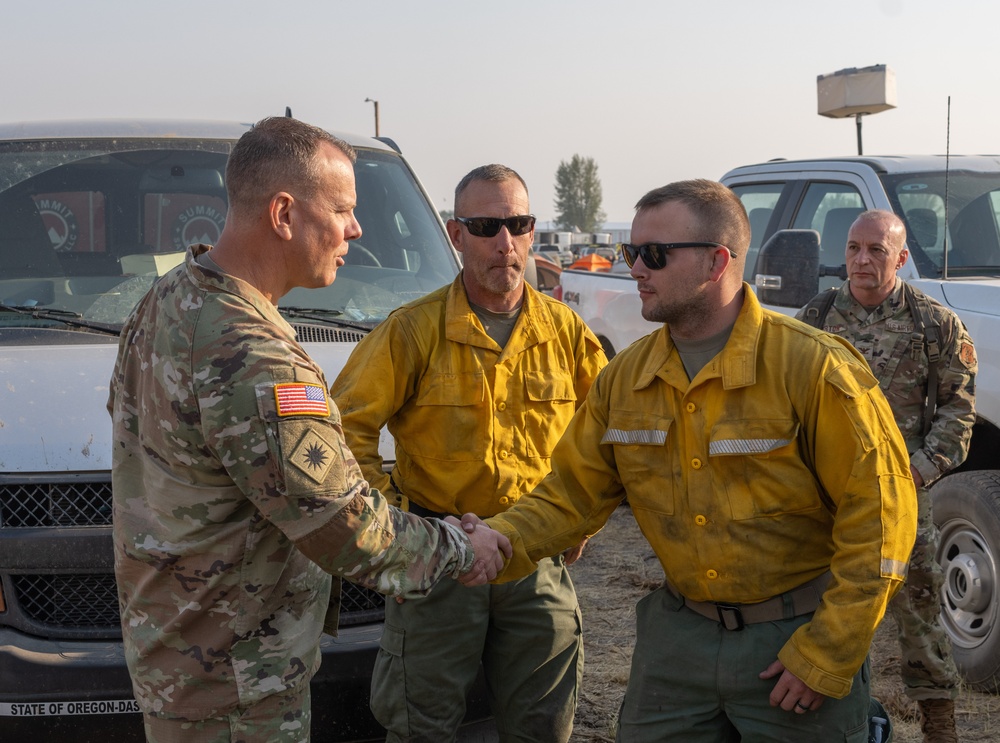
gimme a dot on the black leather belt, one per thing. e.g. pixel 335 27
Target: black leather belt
pixel 802 600
pixel 425 513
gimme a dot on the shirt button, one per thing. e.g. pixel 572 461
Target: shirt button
pixel 696 463
pixel 504 500
pixel 690 407
pixel 711 574
pixel 503 454
pixel 700 520
pixel 501 406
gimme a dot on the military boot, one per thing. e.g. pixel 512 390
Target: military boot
pixel 937 720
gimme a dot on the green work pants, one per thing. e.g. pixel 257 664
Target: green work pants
pixel 692 680
pixel 527 635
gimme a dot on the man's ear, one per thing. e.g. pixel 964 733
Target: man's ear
pixel 721 258
pixel 454 228
pixel 281 214
pixel 902 258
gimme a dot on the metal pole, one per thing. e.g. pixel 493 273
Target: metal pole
pixel 372 100
pixel 857 118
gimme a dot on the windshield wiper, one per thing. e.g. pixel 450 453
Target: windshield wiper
pixel 67 317
pixel 327 316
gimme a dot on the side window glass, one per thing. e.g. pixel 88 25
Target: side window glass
pixel 830 209
pixel 760 201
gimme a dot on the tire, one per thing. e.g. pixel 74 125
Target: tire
pixel 609 350
pixel 967 513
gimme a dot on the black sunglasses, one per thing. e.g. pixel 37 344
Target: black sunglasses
pixel 654 255
pixel 490 226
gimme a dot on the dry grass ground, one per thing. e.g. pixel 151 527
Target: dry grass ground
pixel 619 568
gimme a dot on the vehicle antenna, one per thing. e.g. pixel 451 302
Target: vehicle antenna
pixel 947 169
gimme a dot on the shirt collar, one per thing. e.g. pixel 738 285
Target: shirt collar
pixel 737 361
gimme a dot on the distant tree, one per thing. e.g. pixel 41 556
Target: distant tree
pixel 578 195
pixel 446 214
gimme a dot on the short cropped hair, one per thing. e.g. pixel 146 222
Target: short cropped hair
pixel 493 173
pixel 721 215
pixel 276 154
pixel 896 228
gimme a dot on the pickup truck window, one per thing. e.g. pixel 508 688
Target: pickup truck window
pixel 829 208
pixel 760 200
pixel 973 214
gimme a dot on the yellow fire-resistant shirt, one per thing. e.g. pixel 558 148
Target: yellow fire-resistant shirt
pixel 779 461
pixel 474 424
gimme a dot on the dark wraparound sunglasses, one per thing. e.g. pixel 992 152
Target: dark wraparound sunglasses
pixel 654 255
pixel 490 226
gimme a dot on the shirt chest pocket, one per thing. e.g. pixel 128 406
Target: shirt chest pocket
pixel 643 461
pixel 758 464
pixel 452 419
pixel 550 401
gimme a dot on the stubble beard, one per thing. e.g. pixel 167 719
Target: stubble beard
pixel 686 313
pixel 500 282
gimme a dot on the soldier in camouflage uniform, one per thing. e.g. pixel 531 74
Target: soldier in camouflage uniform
pixel 235 496
pixel 882 317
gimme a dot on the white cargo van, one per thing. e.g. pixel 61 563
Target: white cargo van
pixel 91 213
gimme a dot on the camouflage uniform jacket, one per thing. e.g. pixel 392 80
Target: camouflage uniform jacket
pixel 883 337
pixel 235 497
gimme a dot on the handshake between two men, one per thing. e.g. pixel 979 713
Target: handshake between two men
pixel 491 548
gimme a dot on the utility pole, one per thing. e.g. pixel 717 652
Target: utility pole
pixel 372 100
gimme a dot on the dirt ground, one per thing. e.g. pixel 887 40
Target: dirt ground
pixel 619 568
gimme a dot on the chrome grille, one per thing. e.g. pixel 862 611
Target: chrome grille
pixel 69 503
pixel 360 605
pixel 64 602
pixel 91 601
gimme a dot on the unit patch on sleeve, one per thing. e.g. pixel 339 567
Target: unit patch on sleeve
pixel 297 398
pixel 968 355
pixel 314 457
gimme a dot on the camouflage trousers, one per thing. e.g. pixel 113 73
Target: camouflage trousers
pixel 927 666
pixel 281 718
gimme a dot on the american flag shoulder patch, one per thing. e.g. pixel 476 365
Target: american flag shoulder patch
pixel 298 398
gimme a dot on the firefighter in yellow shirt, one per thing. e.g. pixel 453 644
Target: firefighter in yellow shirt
pixel 476 382
pixel 763 465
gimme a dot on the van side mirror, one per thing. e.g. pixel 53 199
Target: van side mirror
pixel 788 268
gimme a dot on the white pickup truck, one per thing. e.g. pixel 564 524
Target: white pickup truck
pixel 951 207
pixel 608 302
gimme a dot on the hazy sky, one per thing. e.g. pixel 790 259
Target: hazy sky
pixel 653 90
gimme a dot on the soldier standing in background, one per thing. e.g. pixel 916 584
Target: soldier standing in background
pixel 926 365
pixel 235 496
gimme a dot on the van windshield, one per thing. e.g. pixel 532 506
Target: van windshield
pixel 972 218
pixel 87 225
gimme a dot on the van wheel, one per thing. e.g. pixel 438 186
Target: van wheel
pixel 609 350
pixel 967 512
